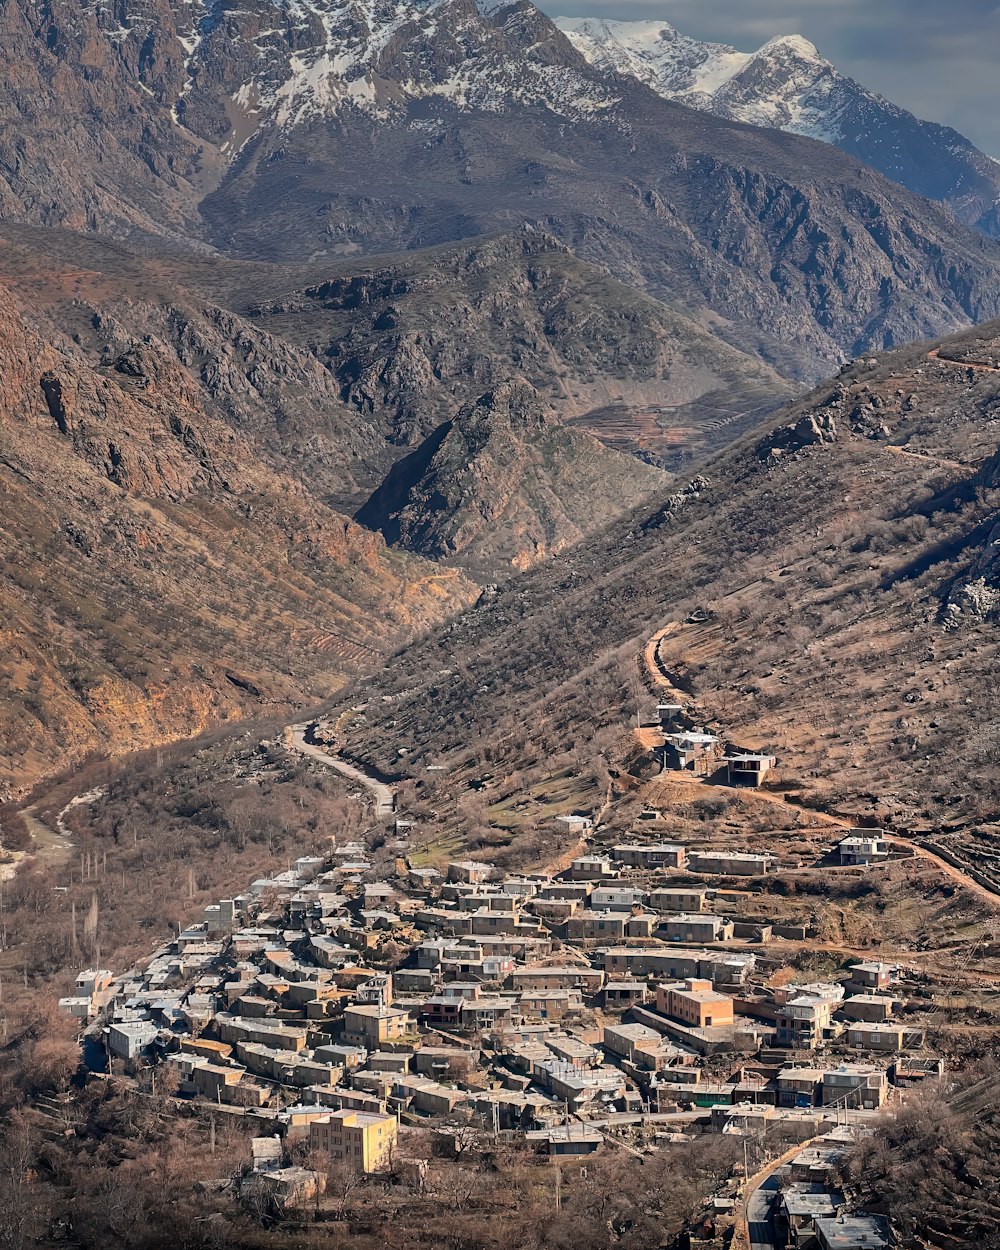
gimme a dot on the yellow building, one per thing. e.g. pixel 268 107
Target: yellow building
pixel 364 1139
pixel 695 1003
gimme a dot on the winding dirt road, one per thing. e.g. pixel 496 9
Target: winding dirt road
pixel 658 675
pixel 384 795
pixel 936 356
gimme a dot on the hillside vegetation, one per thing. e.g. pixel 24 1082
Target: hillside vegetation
pixel 830 584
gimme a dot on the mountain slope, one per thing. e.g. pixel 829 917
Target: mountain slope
pixel 787 85
pixel 831 591
pixel 790 249
pixel 158 574
pixel 287 126
pixel 413 339
pixel 501 484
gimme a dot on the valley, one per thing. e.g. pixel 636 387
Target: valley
pixel 526 885
pixel 499 582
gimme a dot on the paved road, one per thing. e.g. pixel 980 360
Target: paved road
pixel 759 1207
pixel 384 796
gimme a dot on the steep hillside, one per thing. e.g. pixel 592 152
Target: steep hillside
pixel 414 338
pixel 787 85
pixel 504 485
pixel 82 144
pixel 782 247
pixel 158 574
pixel 830 592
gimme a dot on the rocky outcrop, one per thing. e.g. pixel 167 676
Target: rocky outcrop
pixel 502 483
pixel 810 430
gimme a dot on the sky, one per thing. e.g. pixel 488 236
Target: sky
pixel 937 58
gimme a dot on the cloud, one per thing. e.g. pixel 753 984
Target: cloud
pixel 937 60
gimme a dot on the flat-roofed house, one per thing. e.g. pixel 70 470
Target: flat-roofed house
pixel 697 928
pixel 748 769
pixel 362 1139
pixel 862 847
pixel 696 1003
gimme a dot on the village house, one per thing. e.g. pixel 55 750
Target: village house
pixel 864 1035
pixel 291 1187
pixel 127 1039
pixel 621 995
pixel 591 868
pixel 697 928
pixel 855 1085
pixel 595 925
pixel 695 1003
pixel 688 751
pixel 660 962
pixel 567 1139
pixel 669 715
pixel 801 1204
pixel 575 823
pixel 873 1008
pixel 651 855
pixel 486 1013
pixel 619 897
pixel 804 1021
pixel 871 978
pixel 677 900
pixel 852 1232
pixel 365 1140
pixel 863 847
pixel 552 1005
pixel 558 977
pixel 748 770
pixel 470 871
pixel 799 1087
pixel 373 1027
pixel 728 863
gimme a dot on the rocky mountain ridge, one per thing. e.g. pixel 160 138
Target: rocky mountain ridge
pixel 787 85
pixel 222 125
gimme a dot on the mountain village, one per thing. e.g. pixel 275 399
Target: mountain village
pixel 633 995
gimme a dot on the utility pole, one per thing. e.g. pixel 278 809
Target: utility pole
pixel 558 1188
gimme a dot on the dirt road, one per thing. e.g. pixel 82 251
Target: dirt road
pixel 659 676
pixel 936 356
pixel 384 795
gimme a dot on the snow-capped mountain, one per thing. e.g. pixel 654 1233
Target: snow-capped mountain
pixel 318 130
pixel 788 85
pixel 305 60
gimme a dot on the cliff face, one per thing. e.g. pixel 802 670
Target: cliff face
pixel 91 149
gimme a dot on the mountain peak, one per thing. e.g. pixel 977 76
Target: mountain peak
pixel 796 45
pixel 788 85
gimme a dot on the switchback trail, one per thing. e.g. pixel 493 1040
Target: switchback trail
pixel 384 795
